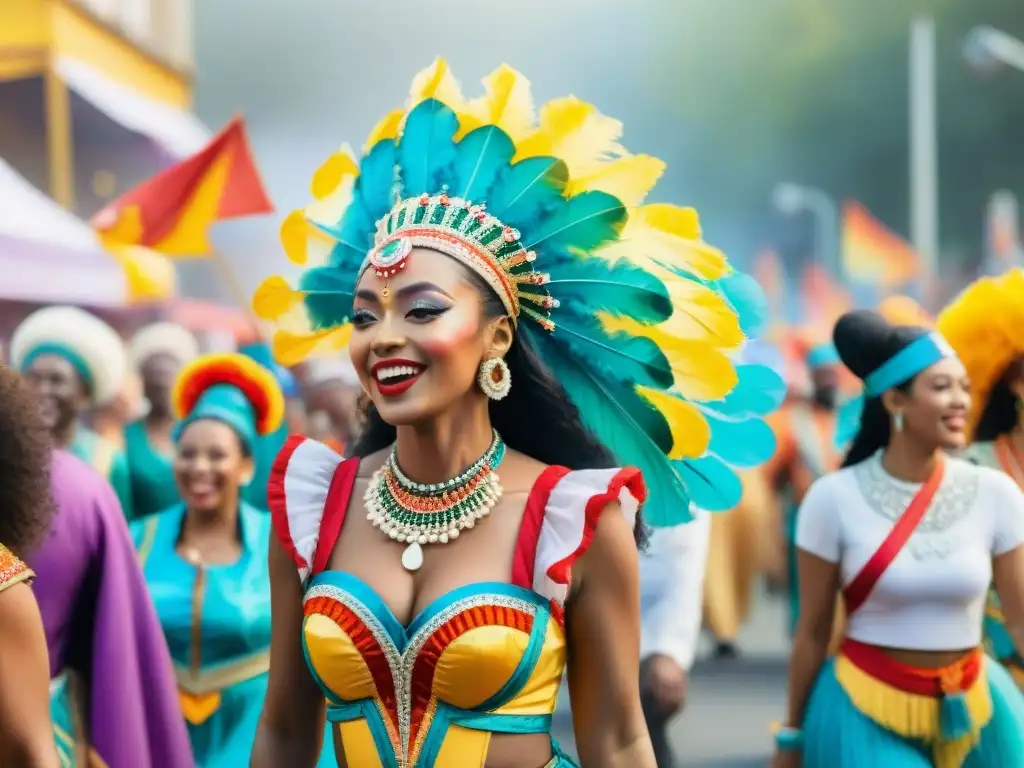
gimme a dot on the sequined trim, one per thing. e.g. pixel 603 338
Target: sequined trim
pixel 403 663
pixel 12 570
pixel 890 497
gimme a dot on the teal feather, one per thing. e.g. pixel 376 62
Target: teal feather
pixel 527 191
pixel 633 431
pixel 712 485
pixel 376 179
pixel 587 286
pixel 758 392
pixel 351 242
pixel 479 158
pixel 587 221
pixel 330 296
pixel 744 443
pixel 635 360
pixel 747 297
pixel 427 147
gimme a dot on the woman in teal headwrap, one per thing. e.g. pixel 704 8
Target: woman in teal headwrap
pixel 205 559
pixel 157 352
pixel 75 361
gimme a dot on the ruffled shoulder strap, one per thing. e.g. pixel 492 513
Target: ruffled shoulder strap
pixel 560 520
pixel 308 493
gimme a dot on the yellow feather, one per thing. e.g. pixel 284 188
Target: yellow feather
pixel 303 243
pixel 661 236
pixel 329 208
pixel 507 103
pixel 274 297
pixel 291 349
pixel 437 82
pixel 701 372
pixel 702 314
pixel 386 128
pixel 575 132
pixel 337 167
pixel 691 433
pixel 629 178
pixel 294 229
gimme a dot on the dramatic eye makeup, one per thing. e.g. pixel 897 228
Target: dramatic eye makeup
pixel 427 307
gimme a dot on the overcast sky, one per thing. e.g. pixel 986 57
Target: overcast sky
pixel 311 75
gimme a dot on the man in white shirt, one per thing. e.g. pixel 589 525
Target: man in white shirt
pixel 671 603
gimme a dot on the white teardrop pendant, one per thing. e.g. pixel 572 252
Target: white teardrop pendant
pixel 412 557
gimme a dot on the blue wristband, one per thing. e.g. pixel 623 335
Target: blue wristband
pixel 789 739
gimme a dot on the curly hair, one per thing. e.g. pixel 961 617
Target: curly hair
pixel 26 501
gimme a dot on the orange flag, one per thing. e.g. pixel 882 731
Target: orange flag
pixel 172 212
pixel 874 254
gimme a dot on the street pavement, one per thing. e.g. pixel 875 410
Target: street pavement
pixel 731 703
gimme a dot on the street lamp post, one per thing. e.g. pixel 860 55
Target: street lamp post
pixel 924 162
pixel 986 48
pixel 792 199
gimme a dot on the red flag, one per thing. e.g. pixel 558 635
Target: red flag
pixel 172 212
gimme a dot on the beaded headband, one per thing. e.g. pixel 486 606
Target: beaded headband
pixel 469 234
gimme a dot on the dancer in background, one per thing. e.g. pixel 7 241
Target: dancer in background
pixel 157 352
pixel 26 733
pixel 109 421
pixel 805 432
pixel 435 605
pixel 985 325
pixel 113 696
pixel 205 559
pixel 912 538
pixel 75 361
pixel 331 392
pixel 671 584
pixel 734 556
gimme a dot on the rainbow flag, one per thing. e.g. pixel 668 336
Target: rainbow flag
pixel 874 254
pixel 172 212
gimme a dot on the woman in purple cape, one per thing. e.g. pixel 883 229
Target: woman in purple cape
pixel 113 698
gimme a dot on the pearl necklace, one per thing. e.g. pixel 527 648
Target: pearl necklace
pixel 434 513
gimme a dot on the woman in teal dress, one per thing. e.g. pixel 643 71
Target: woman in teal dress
pixel 205 558
pixel 75 361
pixel 157 352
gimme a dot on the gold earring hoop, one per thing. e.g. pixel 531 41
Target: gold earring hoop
pixel 494 378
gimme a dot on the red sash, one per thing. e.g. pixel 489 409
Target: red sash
pixel 857 591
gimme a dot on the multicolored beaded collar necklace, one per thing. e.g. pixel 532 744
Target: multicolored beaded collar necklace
pixel 434 513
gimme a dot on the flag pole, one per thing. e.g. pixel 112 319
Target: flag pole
pixel 238 294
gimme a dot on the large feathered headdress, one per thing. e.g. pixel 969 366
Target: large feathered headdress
pixel 631 310
pixel 983 324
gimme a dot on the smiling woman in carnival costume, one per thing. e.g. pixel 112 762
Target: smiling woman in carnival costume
pixel 912 539
pixel 512 310
pixel 205 559
pixel 985 325
pixel 75 361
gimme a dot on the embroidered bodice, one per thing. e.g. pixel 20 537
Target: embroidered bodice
pixel 482 659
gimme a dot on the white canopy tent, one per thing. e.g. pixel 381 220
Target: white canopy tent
pixel 48 255
pixel 177 131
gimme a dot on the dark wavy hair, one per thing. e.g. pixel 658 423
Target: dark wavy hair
pixel 536 398
pixel 1001 411
pixel 865 341
pixel 26 501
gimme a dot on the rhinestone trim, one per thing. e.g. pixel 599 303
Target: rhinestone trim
pixel 953 501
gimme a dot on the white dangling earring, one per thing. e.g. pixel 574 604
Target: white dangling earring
pixel 897 421
pixel 494 378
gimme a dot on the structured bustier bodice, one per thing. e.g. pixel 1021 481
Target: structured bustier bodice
pixel 483 659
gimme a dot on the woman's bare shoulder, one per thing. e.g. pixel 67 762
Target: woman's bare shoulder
pixel 370 464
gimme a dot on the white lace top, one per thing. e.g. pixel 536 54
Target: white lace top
pixel 932 595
